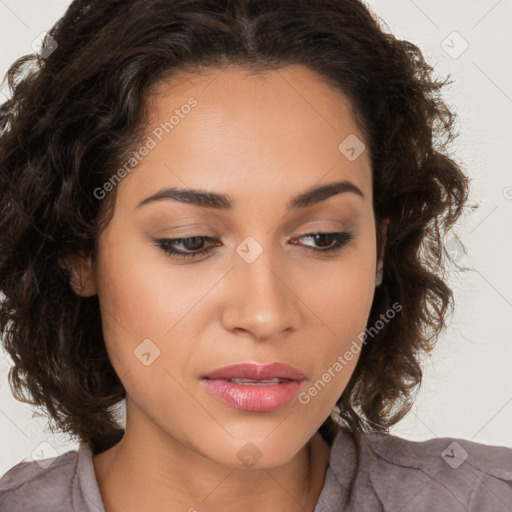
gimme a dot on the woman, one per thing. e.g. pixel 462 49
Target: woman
pixel 230 214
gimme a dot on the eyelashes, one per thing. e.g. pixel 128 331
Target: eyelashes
pixel 338 241
pixel 167 245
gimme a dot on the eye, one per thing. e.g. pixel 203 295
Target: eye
pixel 191 243
pixel 341 239
pixel 329 243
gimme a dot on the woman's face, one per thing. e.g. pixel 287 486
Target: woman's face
pixel 261 294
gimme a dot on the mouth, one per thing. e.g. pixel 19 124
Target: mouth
pixel 256 372
pixel 256 388
pixel 255 382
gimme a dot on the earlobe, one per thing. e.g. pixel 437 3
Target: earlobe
pixel 82 276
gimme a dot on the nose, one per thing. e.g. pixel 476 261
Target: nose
pixel 261 300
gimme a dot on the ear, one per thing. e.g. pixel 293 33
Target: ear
pixel 384 223
pixel 382 229
pixel 82 275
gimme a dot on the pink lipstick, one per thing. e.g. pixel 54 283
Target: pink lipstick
pixel 252 387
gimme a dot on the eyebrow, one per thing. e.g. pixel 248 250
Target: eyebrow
pixel 217 201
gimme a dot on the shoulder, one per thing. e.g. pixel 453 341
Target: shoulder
pixel 45 482
pixel 53 484
pixel 437 474
pixel 446 472
pixel 442 453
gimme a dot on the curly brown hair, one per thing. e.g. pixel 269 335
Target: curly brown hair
pixel 79 107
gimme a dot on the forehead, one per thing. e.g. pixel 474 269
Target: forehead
pixel 247 133
pixel 295 93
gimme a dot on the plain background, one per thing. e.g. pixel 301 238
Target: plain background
pixel 467 385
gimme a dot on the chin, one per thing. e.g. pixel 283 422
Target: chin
pixel 253 452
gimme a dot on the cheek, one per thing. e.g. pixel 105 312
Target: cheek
pixel 343 308
pixel 342 294
pixel 342 300
pixel 137 304
pixel 142 294
pixel 343 297
pixel 140 309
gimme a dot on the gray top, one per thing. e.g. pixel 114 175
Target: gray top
pixel 393 474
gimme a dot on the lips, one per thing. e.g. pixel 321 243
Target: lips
pixel 255 388
pixel 254 373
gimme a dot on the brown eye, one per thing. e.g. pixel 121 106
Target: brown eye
pixel 340 240
pixel 194 244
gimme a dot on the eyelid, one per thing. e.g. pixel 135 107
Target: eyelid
pixel 322 221
pixel 306 228
pixel 193 226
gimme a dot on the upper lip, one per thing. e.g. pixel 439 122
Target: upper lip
pixel 256 372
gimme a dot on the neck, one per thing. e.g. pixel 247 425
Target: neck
pixel 141 473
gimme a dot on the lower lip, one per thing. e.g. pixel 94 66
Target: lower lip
pixel 256 398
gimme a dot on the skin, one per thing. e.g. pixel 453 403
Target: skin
pixel 262 140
